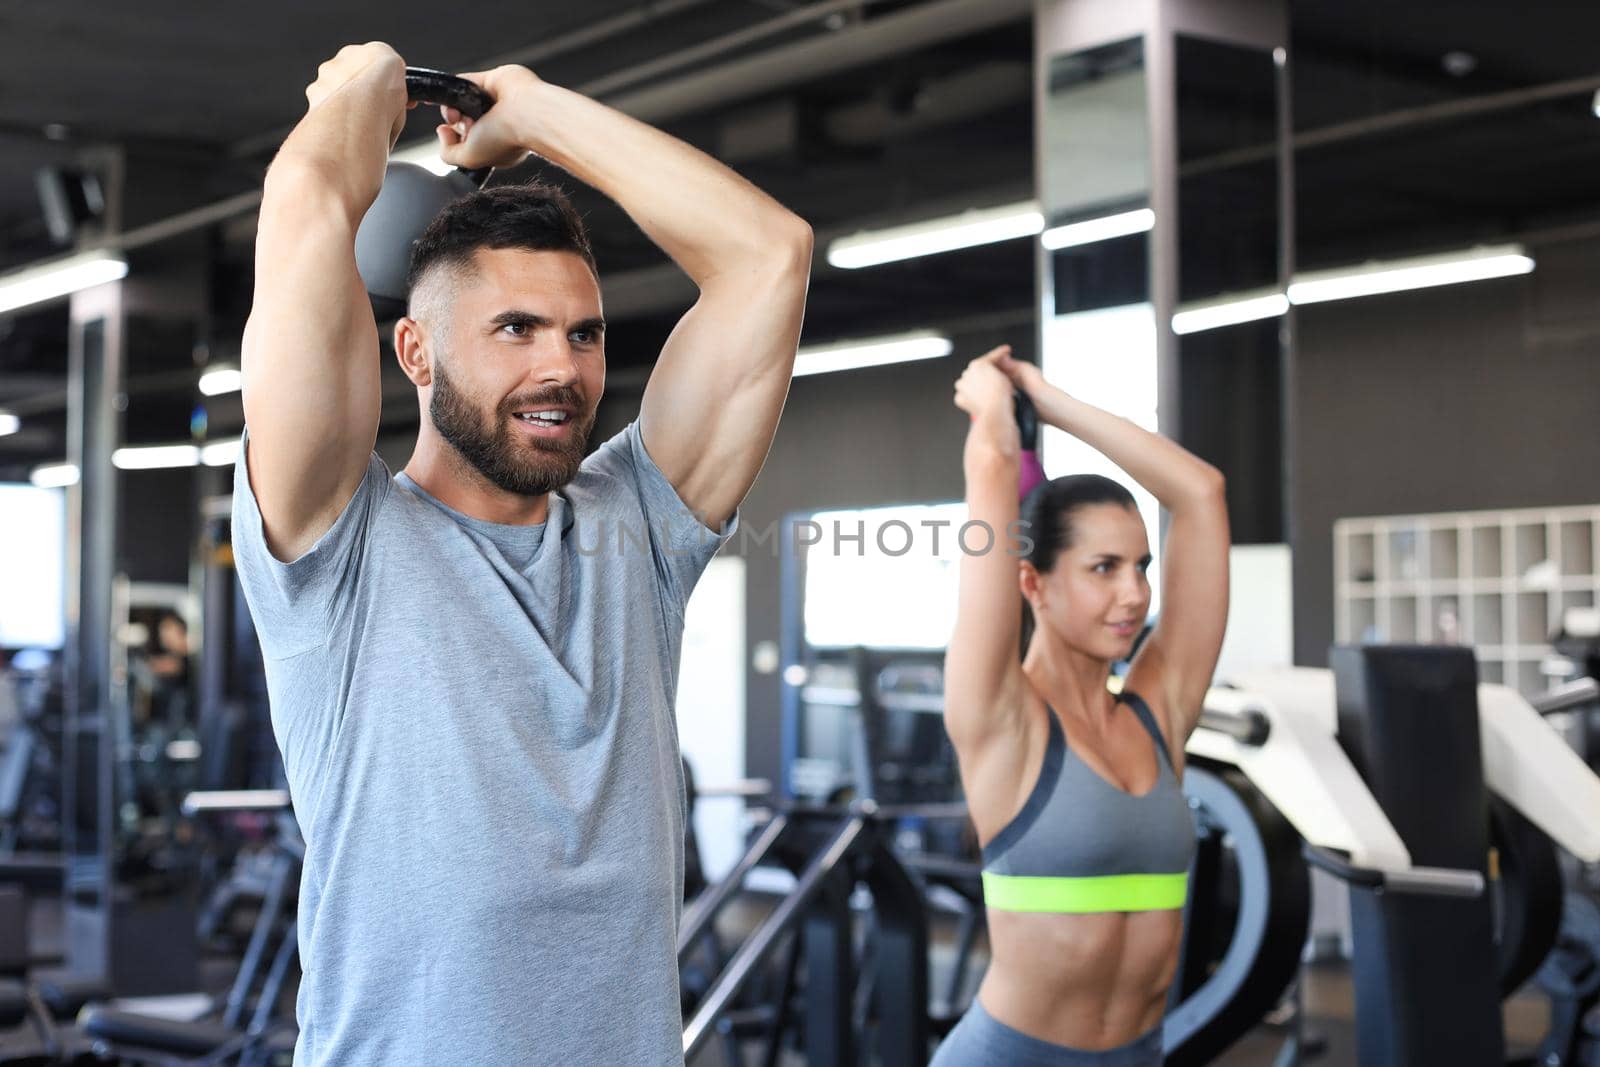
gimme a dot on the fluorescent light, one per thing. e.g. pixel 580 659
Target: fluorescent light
pixel 220 453
pixel 1595 105
pixel 141 458
pixel 219 380
pixel 931 236
pixel 1390 276
pixel 1419 272
pixel 155 457
pixel 54 475
pixel 1102 229
pixel 979 227
pixel 1228 311
pixel 9 423
pixel 848 355
pixel 424 154
pixel 59 277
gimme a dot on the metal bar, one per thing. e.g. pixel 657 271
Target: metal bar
pixel 235 800
pixel 922 702
pixel 182 223
pixel 266 922
pixel 1566 697
pixel 791 650
pixel 900 966
pixel 639 16
pixel 699 915
pixel 1248 727
pixel 766 936
pixel 829 1021
pixel 1433 881
pixel 225 800
pixel 642 15
pixel 832 695
pixel 716 46
pixel 738 80
pixel 815 58
pixel 1161 116
pixel 780 1017
pixel 954 809
pixel 266 1003
pixel 96 360
pixel 868 722
pixel 1397 121
pixel 744 787
pixel 1288 328
pixel 965 940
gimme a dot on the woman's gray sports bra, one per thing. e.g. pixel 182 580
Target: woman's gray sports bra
pixel 1080 844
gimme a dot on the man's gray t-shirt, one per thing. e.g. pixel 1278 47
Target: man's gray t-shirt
pixel 477 724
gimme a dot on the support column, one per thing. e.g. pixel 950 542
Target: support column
pixel 94 418
pixel 1164 177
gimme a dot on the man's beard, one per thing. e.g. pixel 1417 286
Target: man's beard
pixel 526 467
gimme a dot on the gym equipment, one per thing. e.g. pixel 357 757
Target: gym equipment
pixel 1578 643
pixel 1426 975
pixel 872 729
pixel 1248 914
pixel 412 195
pixel 30 770
pixel 1247 917
pixel 1031 471
pixel 1571 976
pixel 832 851
pixel 246 1028
pixel 1394 719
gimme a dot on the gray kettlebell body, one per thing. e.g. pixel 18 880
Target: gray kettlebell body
pixel 411 198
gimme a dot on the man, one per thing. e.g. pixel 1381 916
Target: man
pixel 472 663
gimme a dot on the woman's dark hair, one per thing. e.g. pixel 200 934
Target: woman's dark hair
pixel 1048 512
pixel 535 216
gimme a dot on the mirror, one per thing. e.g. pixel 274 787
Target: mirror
pixel 1097 323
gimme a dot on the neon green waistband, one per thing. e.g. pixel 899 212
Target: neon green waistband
pixel 1114 892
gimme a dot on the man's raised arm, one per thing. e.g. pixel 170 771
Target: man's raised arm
pixel 712 404
pixel 310 354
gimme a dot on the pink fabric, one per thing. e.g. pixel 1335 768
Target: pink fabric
pixel 1030 474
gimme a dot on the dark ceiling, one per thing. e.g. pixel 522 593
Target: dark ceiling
pixel 1398 150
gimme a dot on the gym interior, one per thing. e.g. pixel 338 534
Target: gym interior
pixel 1343 252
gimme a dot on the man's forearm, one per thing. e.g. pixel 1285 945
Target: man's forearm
pixel 345 139
pixel 702 214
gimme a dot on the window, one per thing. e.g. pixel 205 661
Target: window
pixel 33 541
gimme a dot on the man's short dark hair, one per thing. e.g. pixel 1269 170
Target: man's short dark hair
pixel 534 216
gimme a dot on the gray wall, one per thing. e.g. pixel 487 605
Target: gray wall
pixel 1466 397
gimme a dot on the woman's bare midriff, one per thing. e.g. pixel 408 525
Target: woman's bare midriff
pixel 1085 981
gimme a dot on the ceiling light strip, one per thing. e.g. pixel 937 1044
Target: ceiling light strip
pixel 871 352
pixel 56 278
pixel 931 236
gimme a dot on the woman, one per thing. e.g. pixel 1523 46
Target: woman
pixel 1075 792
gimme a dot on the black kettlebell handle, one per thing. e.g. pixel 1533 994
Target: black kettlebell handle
pixel 425 86
pixel 1027 421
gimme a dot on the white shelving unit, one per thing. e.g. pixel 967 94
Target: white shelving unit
pixel 1500 581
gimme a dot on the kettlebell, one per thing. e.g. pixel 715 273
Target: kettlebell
pixel 1030 471
pixel 412 196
